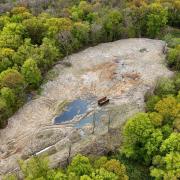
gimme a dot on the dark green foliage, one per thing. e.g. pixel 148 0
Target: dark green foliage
pixel 151 102
pixel 134 169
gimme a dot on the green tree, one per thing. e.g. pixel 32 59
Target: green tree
pixel 8 95
pixel 4 20
pixel 80 165
pixel 25 51
pixel 49 54
pixel 165 87
pixel 156 19
pixel 12 35
pixel 117 168
pixel 36 168
pixel 151 102
pixel 101 174
pixel 168 107
pixel 112 25
pixel 3 113
pixel 156 119
pixel 137 132
pixel 166 167
pixel 11 78
pixel 31 73
pixel 6 56
pixel 171 144
pixel 36 29
pixel 80 32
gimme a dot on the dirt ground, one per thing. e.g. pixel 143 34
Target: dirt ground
pixel 119 70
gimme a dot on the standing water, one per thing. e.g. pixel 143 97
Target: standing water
pixel 75 108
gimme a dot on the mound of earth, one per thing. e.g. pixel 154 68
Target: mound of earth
pixel 123 71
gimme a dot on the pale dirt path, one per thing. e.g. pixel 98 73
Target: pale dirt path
pixel 117 70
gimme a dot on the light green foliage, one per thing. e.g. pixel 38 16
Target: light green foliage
pixel 138 128
pixel 82 12
pixel 168 107
pixel 19 14
pixel 100 162
pixel 173 58
pixel 164 87
pixel 49 53
pixel 12 35
pixel 101 174
pixel 8 95
pixel 148 19
pixel 10 41
pixel 25 51
pixel 60 176
pixel 85 177
pixel 177 82
pixel 31 73
pixel 112 25
pixel 166 167
pixel 80 31
pixel 137 131
pixel 172 143
pixel 152 145
pixel 36 29
pixel 79 169
pixel 10 177
pixel 6 61
pixel 156 19
pixel 80 165
pixel 57 25
pixel 36 168
pixel 161 149
pixel 4 20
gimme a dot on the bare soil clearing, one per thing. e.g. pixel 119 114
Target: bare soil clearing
pixel 119 70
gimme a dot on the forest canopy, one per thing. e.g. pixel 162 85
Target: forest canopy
pixel 35 35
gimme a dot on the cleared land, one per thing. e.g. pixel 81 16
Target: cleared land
pixel 123 70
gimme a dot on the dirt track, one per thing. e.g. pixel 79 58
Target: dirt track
pixel 119 70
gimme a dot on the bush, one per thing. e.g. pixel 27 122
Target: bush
pixel 80 165
pixel 3 113
pixel 165 87
pixel 31 73
pixel 156 119
pixel 11 78
pixel 177 82
pixel 151 102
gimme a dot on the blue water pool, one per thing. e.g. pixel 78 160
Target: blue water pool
pixel 75 108
pixel 89 119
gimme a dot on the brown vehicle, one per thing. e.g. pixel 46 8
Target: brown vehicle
pixel 103 101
